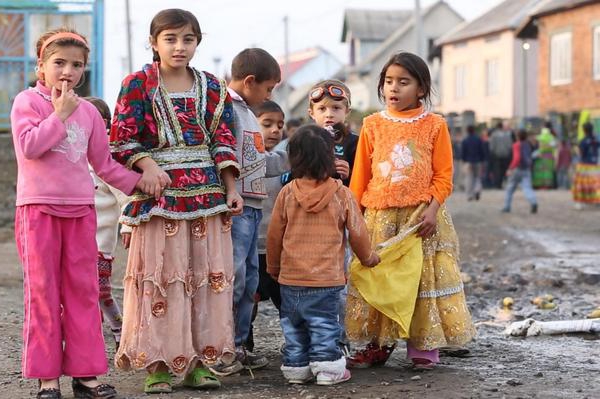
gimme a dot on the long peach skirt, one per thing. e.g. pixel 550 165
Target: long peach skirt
pixel 441 316
pixel 178 295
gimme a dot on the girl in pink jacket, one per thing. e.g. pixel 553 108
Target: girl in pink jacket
pixel 56 134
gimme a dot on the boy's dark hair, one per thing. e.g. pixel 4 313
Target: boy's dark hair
pixel 522 134
pixel 311 153
pixel 588 128
pixel 267 106
pixel 173 18
pixel 102 107
pixel 294 122
pixel 257 62
pixel 415 66
pixel 471 129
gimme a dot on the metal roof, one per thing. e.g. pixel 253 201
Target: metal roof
pixel 508 15
pixel 374 25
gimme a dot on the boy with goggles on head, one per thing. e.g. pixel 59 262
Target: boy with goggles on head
pixel 329 105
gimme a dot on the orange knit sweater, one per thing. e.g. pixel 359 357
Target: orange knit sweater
pixel 402 159
pixel 306 240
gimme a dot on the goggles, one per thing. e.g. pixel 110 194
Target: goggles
pixel 333 91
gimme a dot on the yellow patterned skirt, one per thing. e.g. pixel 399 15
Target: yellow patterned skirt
pixel 441 317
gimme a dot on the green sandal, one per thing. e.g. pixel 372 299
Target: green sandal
pixel 159 382
pixel 201 378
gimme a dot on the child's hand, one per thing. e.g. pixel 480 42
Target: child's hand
pixel 65 104
pixel 126 240
pixel 235 202
pixel 428 221
pixel 154 180
pixel 372 261
pixel 342 168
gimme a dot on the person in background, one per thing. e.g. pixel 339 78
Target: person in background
pixel 563 164
pixel 473 155
pixel 586 183
pixel 290 127
pixel 501 142
pixel 544 156
pixel 457 173
pixel 519 172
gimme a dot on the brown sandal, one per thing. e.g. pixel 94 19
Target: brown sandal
pixel 102 391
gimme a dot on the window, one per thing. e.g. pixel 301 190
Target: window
pixel 560 58
pixel 492 71
pixel 596 52
pixel 460 81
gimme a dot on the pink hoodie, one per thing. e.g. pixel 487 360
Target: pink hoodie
pixel 53 156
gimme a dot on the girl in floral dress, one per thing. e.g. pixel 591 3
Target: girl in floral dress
pixel 402 175
pixel 177 316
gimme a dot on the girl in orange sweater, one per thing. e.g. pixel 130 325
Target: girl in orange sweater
pixel 402 176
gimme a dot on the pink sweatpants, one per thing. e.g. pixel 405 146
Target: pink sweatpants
pixel 62 330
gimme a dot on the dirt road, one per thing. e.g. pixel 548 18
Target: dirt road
pixel 519 255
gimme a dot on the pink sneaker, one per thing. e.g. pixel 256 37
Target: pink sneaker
pixel 325 378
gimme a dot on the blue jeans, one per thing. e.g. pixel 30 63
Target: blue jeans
pixel 523 177
pixel 562 178
pixel 244 234
pixel 309 320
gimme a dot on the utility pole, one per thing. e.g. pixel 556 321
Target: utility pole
pixel 419 29
pixel 128 25
pixel 286 49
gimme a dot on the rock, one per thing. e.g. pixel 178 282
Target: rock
pixel 398 380
pixel 310 397
pixel 466 279
pixel 528 267
pixel 415 378
pixel 513 383
pixel 538 374
pixel 588 275
pixel 427 385
pixel 489 268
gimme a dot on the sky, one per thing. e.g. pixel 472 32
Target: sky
pixel 229 26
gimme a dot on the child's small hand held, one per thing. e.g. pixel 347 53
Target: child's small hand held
pixel 342 168
pixel 65 104
pixel 153 181
pixel 235 202
pixel 373 260
pixel 126 240
pixel 428 222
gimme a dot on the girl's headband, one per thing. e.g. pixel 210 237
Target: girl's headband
pixel 62 35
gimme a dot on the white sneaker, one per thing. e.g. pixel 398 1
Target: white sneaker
pixel 327 378
pixel 304 380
